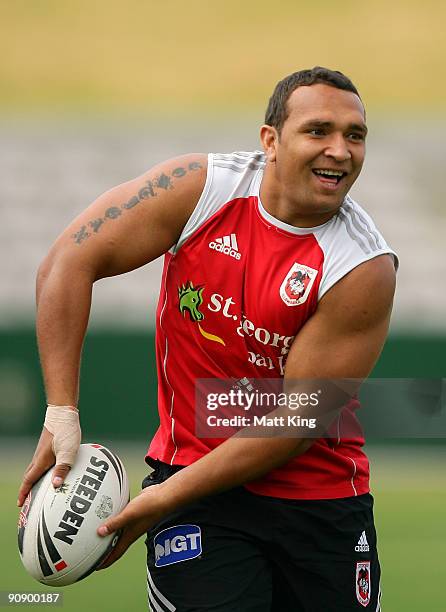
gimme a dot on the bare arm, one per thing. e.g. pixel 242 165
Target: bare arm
pixel 343 339
pixel 123 229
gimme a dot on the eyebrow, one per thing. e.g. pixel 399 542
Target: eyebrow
pixel 360 127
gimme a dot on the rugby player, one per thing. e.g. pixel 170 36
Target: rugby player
pixel 271 270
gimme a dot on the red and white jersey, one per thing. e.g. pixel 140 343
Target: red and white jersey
pixel 259 280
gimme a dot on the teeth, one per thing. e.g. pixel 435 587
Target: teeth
pixel 329 172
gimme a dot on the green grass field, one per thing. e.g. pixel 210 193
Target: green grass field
pixel 410 496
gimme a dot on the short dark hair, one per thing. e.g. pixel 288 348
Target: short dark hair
pixel 277 112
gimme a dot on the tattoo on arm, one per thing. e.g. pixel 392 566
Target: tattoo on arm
pixel 96 224
pixel 163 181
pixel 81 235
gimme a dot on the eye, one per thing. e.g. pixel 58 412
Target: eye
pixel 317 132
pixel 356 137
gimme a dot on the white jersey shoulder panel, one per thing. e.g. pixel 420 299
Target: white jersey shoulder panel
pixel 229 176
pixel 349 239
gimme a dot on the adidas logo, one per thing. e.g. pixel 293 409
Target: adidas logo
pixel 226 245
pixel 362 545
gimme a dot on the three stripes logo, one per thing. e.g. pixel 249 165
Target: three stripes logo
pixel 226 245
pixel 362 545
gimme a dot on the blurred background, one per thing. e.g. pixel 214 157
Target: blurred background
pixel 94 93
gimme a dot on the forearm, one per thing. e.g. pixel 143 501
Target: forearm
pixel 235 462
pixel 241 459
pixel 63 307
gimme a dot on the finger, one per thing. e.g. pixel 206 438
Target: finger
pixel 117 522
pixel 32 474
pixel 136 510
pixel 126 539
pixel 60 472
pixel 25 488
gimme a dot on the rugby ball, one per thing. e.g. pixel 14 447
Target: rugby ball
pixel 57 536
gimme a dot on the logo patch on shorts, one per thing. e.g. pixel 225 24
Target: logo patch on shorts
pixel 362 545
pixel 176 544
pixel 363 584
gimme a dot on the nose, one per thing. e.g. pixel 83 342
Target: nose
pixel 337 148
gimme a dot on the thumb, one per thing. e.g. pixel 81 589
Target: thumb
pixel 113 524
pixel 60 472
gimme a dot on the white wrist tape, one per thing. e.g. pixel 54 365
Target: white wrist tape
pixel 63 423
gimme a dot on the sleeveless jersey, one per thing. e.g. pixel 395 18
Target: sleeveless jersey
pixel 259 280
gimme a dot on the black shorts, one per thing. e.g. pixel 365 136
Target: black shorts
pixel 241 552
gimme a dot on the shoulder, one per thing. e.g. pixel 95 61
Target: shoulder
pixel 174 187
pixel 360 226
pixel 233 174
pixel 352 229
pixel 350 239
pixel 185 171
pixel 239 159
pixel 229 176
pixel 225 173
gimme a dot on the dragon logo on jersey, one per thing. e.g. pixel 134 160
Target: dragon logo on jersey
pixel 363 586
pixel 191 299
pixel 297 284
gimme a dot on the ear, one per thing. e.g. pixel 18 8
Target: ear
pixel 269 139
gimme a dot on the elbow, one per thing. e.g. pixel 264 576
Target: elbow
pixel 51 261
pixel 61 266
pixel 43 273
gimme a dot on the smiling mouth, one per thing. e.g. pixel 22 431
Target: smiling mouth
pixel 329 177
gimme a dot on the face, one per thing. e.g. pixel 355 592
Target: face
pixel 321 148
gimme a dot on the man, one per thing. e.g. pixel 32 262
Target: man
pixel 271 270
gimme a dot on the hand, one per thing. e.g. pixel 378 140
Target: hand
pixel 139 515
pixel 59 443
pixel 42 460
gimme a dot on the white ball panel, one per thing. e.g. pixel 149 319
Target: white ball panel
pixel 58 542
